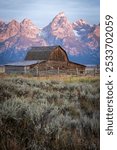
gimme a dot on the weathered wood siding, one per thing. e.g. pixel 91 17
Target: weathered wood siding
pixel 58 55
pixel 74 66
pixel 18 69
pixel 56 64
pixel 14 69
pixel 61 65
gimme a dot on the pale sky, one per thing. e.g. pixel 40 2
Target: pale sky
pixel 41 12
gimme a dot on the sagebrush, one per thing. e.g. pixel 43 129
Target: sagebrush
pixel 49 115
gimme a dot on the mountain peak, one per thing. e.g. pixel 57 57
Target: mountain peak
pixel 61 14
pixel 13 23
pixel 80 22
pixel 26 20
pixel 9 30
pixel 28 29
pixel 82 27
pixel 60 27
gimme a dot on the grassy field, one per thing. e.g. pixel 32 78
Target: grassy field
pixel 49 113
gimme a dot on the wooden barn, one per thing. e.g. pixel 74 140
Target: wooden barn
pixel 45 58
pixel 20 67
pixel 52 57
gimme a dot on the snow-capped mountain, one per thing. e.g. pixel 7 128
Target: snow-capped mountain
pixel 80 40
pixel 8 30
pixel 59 28
pixel 81 27
pixel 28 29
pixel 60 32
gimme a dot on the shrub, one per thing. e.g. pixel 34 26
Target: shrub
pixel 50 115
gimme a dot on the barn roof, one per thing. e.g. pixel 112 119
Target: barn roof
pixel 40 53
pixel 23 63
pixel 77 63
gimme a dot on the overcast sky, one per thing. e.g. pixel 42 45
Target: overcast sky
pixel 41 12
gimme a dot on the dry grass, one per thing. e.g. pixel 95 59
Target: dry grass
pixel 64 78
pixel 49 113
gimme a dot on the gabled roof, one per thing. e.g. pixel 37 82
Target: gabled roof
pixel 23 63
pixel 40 53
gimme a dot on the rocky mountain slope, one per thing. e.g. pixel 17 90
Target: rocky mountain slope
pixel 80 40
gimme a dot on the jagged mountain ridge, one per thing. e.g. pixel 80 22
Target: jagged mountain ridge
pixel 80 40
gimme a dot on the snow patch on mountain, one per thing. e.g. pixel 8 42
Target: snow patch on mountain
pixel 76 33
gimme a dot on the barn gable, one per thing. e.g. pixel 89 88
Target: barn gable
pixel 58 55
